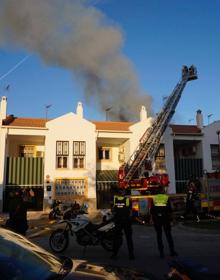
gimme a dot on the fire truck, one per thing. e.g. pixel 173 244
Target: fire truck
pixel 137 174
pixel 210 192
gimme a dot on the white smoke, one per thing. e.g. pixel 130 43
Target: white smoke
pixel 74 35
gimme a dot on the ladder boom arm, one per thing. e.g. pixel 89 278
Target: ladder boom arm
pixel 150 141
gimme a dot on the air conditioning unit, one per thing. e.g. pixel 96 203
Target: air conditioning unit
pixel 39 154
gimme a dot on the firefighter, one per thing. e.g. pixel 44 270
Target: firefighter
pixel 123 222
pixel 161 215
pixel 192 200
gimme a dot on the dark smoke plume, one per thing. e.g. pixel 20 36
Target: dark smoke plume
pixel 74 35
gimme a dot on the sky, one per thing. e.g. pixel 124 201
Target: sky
pixel 151 38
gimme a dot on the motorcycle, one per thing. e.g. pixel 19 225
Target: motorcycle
pixel 74 210
pixel 182 269
pixel 60 211
pixel 56 211
pixel 86 233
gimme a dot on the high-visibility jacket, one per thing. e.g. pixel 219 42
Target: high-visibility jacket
pixel 121 201
pixel 160 200
pixel 161 208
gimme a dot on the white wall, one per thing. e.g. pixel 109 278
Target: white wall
pixel 210 137
pixel 71 127
pixel 138 130
pixel 112 163
pixel 3 136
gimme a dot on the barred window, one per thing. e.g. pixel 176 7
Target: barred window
pixel 62 154
pixel 79 154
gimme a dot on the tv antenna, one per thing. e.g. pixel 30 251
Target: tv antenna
pixel 46 109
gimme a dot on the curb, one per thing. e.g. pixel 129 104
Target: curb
pixel 200 230
pixel 39 233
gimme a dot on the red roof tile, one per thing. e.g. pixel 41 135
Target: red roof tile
pixel 185 129
pixel 31 122
pixel 108 126
pixel 25 122
pixel 114 126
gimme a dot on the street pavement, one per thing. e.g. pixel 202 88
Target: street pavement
pixel 202 246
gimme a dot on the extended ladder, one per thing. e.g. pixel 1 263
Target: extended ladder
pixel 150 141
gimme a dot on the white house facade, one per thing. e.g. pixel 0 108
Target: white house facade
pixel 71 158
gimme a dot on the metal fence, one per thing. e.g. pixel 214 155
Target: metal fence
pixel 184 169
pixel 23 173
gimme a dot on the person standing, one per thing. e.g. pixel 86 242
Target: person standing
pixel 161 215
pixel 123 222
pixel 192 202
pixel 18 212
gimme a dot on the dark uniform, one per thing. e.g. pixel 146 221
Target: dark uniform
pixel 122 216
pixel 18 214
pixel 18 207
pixel 161 215
pixel 192 201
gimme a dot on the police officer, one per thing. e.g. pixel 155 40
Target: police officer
pixel 122 217
pixel 161 216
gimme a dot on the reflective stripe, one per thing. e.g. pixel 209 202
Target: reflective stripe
pixel 160 200
pixel 121 201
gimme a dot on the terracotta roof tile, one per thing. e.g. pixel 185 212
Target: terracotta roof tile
pixel 108 126
pixel 32 122
pixel 185 129
pixel 114 126
pixel 25 122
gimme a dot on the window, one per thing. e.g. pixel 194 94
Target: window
pixel 79 154
pixel 27 151
pixel 160 158
pixel 62 153
pixel 104 153
pixel 215 155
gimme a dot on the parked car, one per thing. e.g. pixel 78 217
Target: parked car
pixel 20 259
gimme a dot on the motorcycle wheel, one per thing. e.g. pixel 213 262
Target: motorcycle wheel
pixel 107 242
pixel 59 241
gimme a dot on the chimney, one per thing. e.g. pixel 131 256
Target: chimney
pixel 3 108
pixel 143 113
pixel 199 119
pixel 79 110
